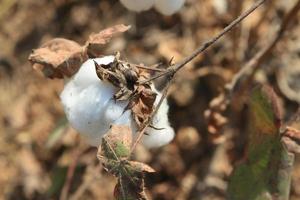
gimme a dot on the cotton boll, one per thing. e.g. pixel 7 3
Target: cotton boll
pixel 168 7
pixel 90 108
pixel 88 102
pixel 137 5
pixel 85 112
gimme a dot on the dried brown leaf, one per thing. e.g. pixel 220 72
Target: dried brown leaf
pixel 96 40
pixel 58 58
pixel 130 189
pixel 61 57
pixel 142 105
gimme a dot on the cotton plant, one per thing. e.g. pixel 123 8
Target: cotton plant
pixel 102 91
pixel 165 7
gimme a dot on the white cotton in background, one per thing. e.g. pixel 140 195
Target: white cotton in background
pixel 91 110
pixel 168 7
pixel 138 5
pixel 221 6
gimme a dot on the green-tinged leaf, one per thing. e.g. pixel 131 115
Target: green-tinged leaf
pixel 265 172
pixel 116 143
pixel 114 154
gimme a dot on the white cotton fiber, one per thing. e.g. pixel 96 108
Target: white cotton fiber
pixel 88 102
pixel 138 5
pixel 90 108
pixel 168 7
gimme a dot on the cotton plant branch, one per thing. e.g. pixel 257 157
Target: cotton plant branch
pixel 176 67
pixel 173 69
pixel 252 65
pixel 237 87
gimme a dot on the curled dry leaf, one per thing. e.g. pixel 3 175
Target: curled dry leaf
pixel 58 57
pixel 61 57
pixel 96 40
pixel 142 105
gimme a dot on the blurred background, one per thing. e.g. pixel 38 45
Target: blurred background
pixel 42 157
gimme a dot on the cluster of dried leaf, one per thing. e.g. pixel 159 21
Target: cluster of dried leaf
pixel 61 57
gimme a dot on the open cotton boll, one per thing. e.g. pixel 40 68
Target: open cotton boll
pixel 137 5
pixel 168 7
pixel 89 105
pixel 90 108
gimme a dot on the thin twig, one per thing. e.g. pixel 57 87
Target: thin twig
pixel 176 67
pixel 253 64
pixel 151 68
